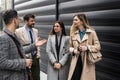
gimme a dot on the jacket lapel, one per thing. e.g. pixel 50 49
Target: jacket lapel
pixel 78 36
pixel 25 36
pixel 62 43
pixel 53 45
pixel 35 34
pixel 85 37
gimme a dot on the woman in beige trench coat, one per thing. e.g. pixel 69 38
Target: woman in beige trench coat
pixel 83 39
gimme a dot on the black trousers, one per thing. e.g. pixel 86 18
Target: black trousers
pixel 35 68
pixel 78 69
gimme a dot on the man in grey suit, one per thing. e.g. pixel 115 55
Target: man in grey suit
pixel 13 63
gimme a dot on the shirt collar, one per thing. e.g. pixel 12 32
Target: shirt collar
pixel 87 31
pixel 9 32
pixel 27 28
pixel 83 31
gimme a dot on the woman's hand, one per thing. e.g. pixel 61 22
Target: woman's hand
pixel 73 50
pixel 82 48
pixel 76 51
pixel 57 65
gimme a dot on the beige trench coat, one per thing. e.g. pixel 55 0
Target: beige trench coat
pixel 90 39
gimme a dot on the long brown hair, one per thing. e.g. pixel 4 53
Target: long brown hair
pixel 83 18
pixel 61 25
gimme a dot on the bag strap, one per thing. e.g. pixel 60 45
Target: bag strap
pixel 17 43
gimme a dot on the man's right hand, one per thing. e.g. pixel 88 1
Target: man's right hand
pixel 39 42
pixel 28 63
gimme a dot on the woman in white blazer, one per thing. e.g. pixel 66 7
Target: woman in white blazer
pixel 58 53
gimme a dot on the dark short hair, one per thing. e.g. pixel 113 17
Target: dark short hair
pixel 28 16
pixel 9 15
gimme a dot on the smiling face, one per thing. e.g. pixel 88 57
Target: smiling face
pixel 77 22
pixel 57 28
pixel 30 23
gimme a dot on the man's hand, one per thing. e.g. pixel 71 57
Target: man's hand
pixel 28 63
pixel 39 42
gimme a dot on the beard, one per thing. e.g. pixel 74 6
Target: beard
pixel 17 26
pixel 31 26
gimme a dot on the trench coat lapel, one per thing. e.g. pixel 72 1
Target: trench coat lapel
pixel 77 37
pixel 85 37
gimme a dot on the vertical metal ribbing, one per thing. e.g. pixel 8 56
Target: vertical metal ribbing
pixel 12 4
pixel 57 9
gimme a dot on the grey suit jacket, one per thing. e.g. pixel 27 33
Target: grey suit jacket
pixel 12 66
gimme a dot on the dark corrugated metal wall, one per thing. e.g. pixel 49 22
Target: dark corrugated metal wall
pixel 103 15
pixel 1 24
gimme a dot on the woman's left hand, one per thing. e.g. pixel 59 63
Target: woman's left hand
pixel 82 48
pixel 57 65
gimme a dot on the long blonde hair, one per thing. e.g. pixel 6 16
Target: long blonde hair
pixel 83 18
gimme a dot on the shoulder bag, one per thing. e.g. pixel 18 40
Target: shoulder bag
pixel 93 57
